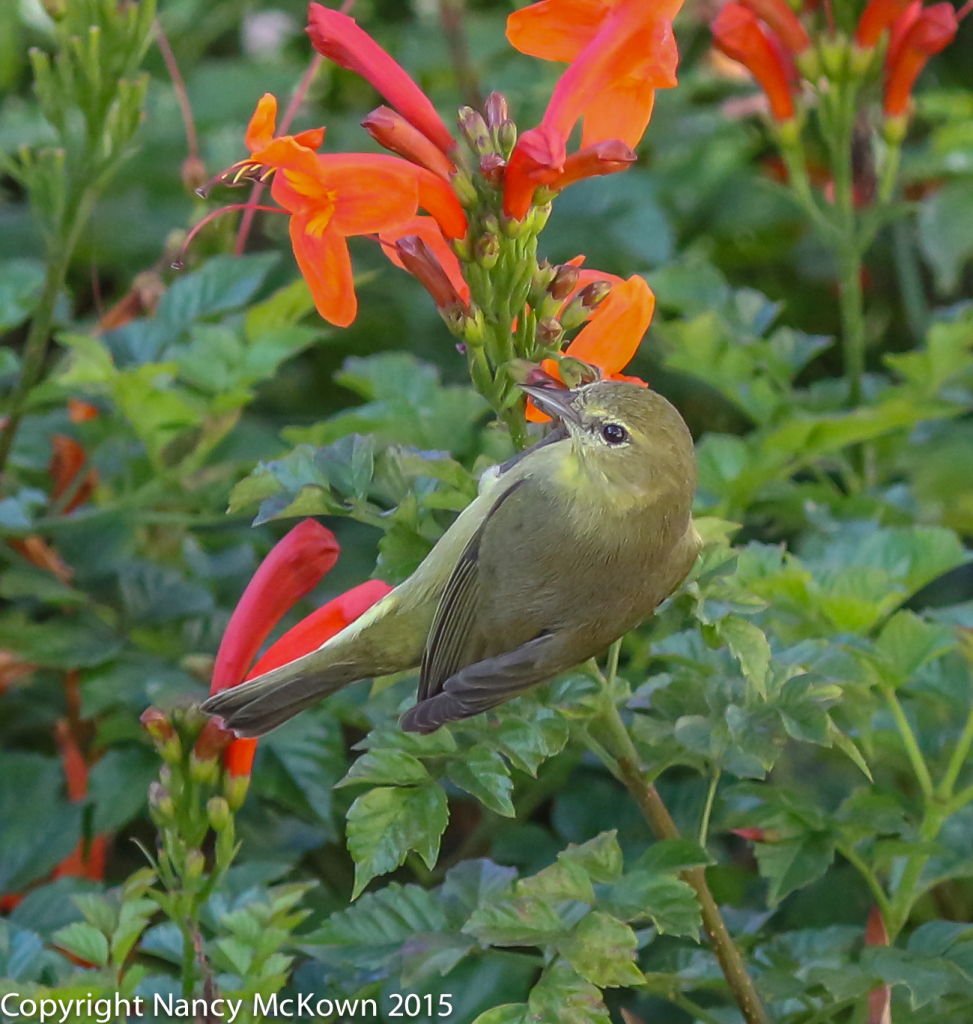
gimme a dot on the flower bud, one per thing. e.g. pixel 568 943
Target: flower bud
pixel 496 110
pixel 160 804
pixel 507 138
pixel 487 250
pixel 391 130
pixel 474 129
pixel 584 304
pixel 218 812
pixel 549 331
pixel 474 329
pixel 420 261
pixel 235 790
pixel 565 281
pixel 462 185
pixel 492 167
pixel 195 865
pixel 164 736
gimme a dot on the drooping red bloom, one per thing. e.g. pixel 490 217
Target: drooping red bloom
pixel 538 159
pixel 739 34
pixel 932 31
pixel 292 569
pixel 784 22
pixel 876 18
pixel 338 37
pixel 620 51
pixel 428 230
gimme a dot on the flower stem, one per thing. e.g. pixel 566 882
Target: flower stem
pixel 655 812
pixel 852 319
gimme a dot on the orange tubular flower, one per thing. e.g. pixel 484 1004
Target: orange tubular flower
pixel 620 51
pixel 933 30
pixel 391 130
pixel 785 23
pixel 593 161
pixel 67 460
pixel 612 336
pixel 428 230
pixel 338 37
pixel 330 198
pixel 739 34
pixel 538 159
pixel 876 18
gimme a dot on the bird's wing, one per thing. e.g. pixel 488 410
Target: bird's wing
pixel 450 641
pixel 479 687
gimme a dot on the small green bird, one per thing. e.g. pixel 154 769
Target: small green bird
pixel 565 549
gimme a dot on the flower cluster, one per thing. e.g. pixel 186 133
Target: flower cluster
pixel 461 211
pixel 893 38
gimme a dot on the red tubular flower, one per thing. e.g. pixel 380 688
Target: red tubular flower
pixel 437 198
pixel 80 411
pixel 933 30
pixel 338 37
pixel 620 51
pixel 592 161
pixel 420 261
pixel 391 130
pixel 306 636
pixel 784 22
pixel 876 18
pixel 294 567
pixel 537 159
pixel 428 230
pixel 739 34
pixel 86 860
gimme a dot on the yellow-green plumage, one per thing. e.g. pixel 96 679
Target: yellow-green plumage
pixel 573 544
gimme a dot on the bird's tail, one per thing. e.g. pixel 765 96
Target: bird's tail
pixel 262 704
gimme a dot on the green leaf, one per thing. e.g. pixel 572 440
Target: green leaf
pixel 515 921
pixel 603 950
pixel 221 284
pixel 387 768
pixel 790 864
pixel 370 931
pixel 601 857
pixel 672 855
pixel 946 231
pixel 21 283
pixel 908 642
pixel 668 902
pixel 562 995
pixel 285 308
pixel 528 742
pixel 472 882
pixel 749 646
pixel 507 1013
pixel 98 912
pixel 384 824
pixel 482 773
pixel 563 880
pixel 84 941
pixel 926 977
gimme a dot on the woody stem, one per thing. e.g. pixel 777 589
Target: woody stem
pixel 622 749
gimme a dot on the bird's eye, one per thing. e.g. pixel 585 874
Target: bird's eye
pixel 614 433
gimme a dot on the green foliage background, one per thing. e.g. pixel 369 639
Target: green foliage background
pixel 807 681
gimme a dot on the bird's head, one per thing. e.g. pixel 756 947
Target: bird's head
pixel 627 435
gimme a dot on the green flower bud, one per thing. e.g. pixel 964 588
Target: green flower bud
pixel 218 812
pixel 549 331
pixel 474 129
pixel 486 251
pixel 507 138
pixel 195 865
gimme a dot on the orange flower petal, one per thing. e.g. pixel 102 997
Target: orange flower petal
pixel 556 29
pixel 436 197
pixel 620 111
pixel 260 131
pixel 371 191
pixel 611 338
pixel 326 265
pixel 428 230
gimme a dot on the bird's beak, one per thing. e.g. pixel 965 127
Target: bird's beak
pixel 556 402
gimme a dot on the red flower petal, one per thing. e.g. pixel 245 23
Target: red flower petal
pixel 339 38
pixel 292 569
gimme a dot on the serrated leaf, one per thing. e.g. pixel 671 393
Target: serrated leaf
pixel 668 902
pixel 601 857
pixel 516 921
pixel 98 912
pixel 925 977
pixel 508 1013
pixel 83 940
pixel 673 855
pixel 482 773
pixel 562 995
pixel 386 767
pixel 749 646
pixel 908 642
pixel 563 880
pixel 790 864
pixel 602 950
pixel 385 823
